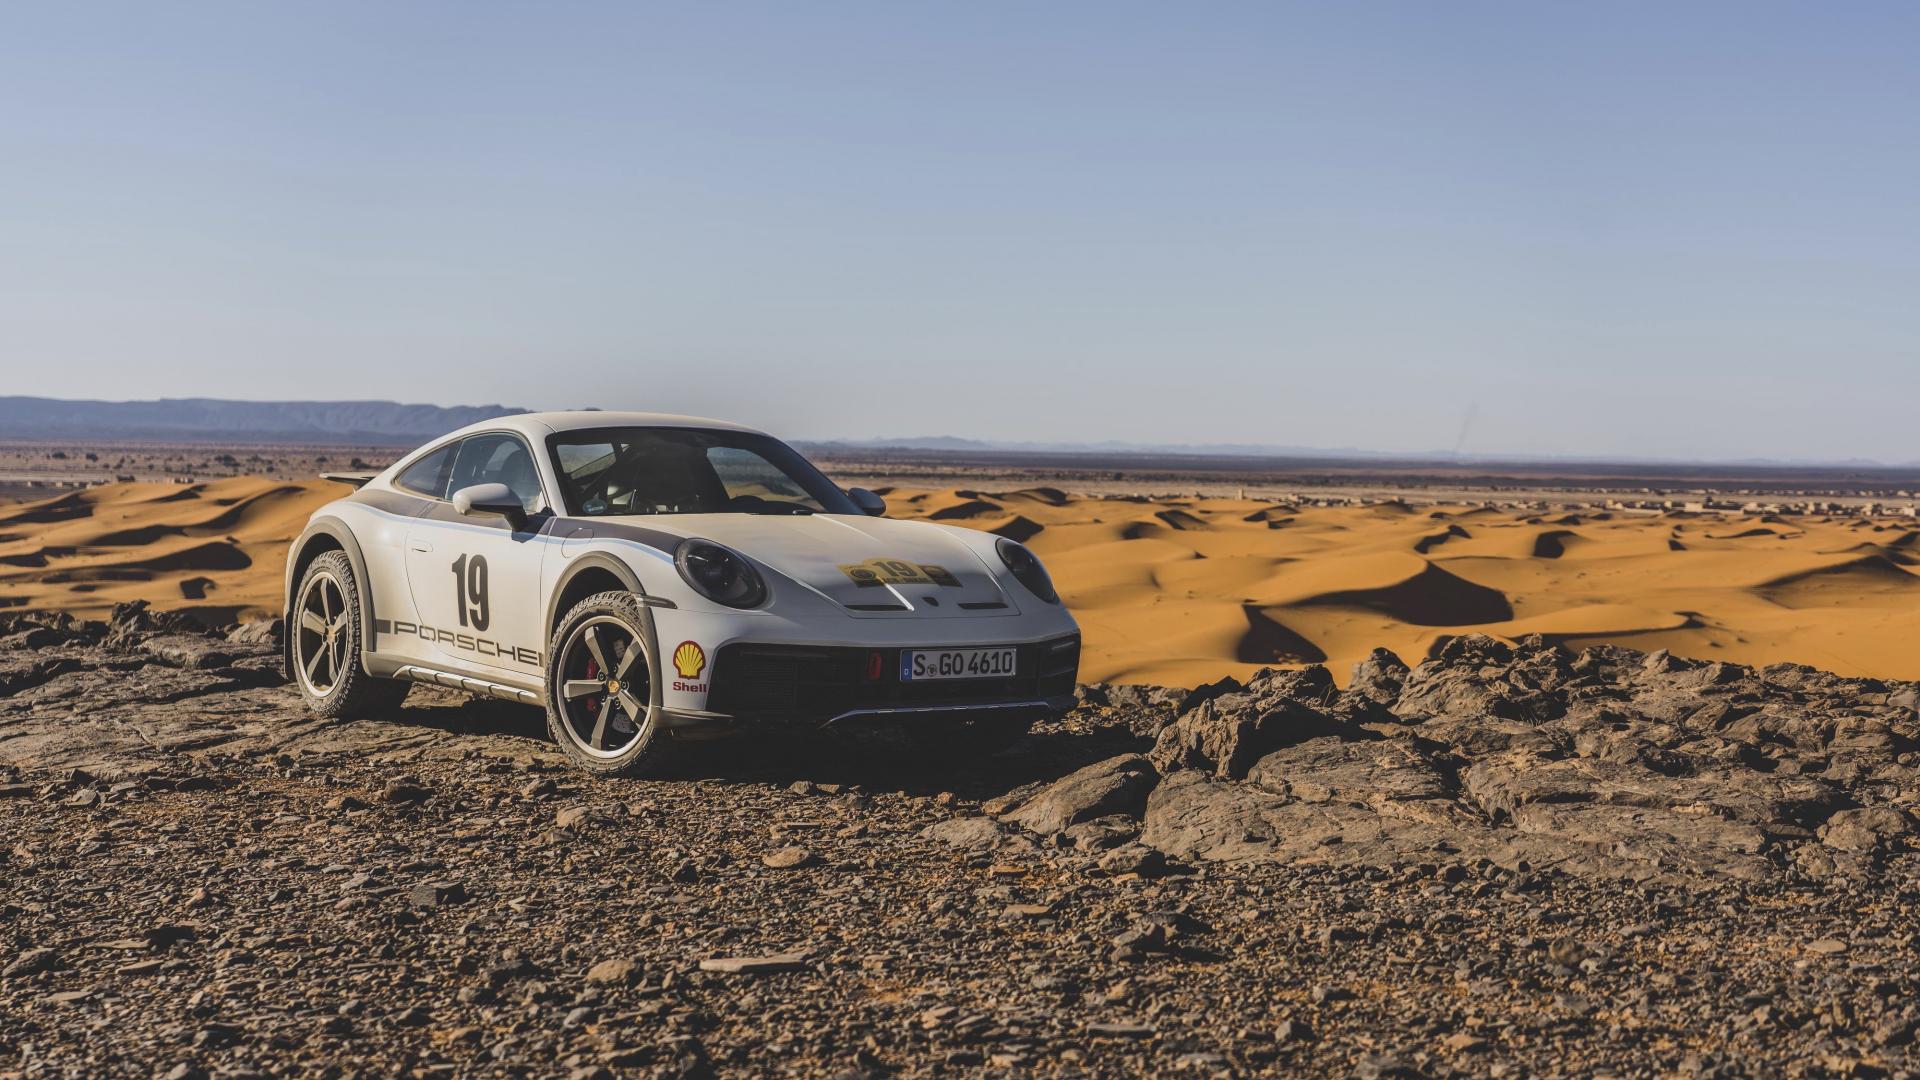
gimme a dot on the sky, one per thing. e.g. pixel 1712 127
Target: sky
pixel 1672 230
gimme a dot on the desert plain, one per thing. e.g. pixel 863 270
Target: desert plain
pixel 1414 783
pixel 1169 589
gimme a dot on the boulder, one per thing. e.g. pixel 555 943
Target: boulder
pixel 1366 773
pixel 33 637
pixel 1379 677
pixel 1502 784
pixel 1475 676
pixel 619 971
pixel 1865 830
pixel 1227 734
pixel 1195 817
pixel 133 619
pixel 967 833
pixel 1148 709
pixel 1115 786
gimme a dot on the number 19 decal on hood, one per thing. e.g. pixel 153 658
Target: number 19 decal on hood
pixel 877 572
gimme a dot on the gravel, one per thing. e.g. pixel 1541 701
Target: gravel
pixel 1506 861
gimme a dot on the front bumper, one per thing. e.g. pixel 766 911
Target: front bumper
pixel 809 685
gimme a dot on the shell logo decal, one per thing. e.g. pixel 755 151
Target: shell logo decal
pixel 689 660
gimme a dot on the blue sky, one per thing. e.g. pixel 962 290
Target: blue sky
pixel 1680 230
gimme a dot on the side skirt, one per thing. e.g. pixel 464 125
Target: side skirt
pixel 471 685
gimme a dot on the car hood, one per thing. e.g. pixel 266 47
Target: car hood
pixel 871 567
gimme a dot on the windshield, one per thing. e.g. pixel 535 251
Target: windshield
pixel 648 470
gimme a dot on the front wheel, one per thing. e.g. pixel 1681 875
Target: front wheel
pixel 600 701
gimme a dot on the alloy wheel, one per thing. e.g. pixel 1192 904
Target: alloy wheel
pixel 320 638
pixel 603 687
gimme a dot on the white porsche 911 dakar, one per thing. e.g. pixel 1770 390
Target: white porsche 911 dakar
pixel 641 575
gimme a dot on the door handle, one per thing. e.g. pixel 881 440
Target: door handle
pixel 422 545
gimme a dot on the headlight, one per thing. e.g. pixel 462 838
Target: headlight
pixel 1026 567
pixel 718 574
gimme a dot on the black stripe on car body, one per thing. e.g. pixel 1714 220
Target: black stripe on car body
pixel 392 502
pixel 548 523
pixel 605 529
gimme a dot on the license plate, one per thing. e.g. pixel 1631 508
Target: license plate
pixel 926 665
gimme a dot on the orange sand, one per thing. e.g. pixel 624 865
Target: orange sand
pixel 216 548
pixel 1184 592
pixel 1177 592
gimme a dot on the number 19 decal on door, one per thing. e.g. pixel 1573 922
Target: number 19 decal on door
pixel 470 590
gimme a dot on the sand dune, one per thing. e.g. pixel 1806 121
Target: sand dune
pixel 1176 591
pixel 1186 591
pixel 216 548
pixel 959 508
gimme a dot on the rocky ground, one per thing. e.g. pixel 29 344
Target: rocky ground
pixel 1504 862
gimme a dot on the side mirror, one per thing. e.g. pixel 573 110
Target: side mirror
pixel 496 499
pixel 866 500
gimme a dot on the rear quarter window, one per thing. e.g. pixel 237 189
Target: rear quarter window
pixel 428 476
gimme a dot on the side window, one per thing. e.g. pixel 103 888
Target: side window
pixel 428 476
pixel 498 459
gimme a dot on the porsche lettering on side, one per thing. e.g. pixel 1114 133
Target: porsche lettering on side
pixel 639 575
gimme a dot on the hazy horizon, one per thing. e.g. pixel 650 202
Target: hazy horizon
pixel 928 441
pixel 1632 232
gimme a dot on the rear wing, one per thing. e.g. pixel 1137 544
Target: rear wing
pixel 356 479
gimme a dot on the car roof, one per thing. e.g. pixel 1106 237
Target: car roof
pixel 538 425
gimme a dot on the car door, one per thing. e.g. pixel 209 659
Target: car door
pixel 475 578
pixel 399 633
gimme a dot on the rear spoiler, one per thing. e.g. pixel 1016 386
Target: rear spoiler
pixel 357 479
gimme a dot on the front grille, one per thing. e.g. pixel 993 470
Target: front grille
pixel 797 683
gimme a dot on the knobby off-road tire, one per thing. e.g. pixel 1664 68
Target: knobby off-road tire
pixel 600 672
pixel 325 646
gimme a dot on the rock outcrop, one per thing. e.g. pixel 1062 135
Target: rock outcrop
pixel 1606 762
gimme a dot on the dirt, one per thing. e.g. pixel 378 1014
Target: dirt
pixel 1502 862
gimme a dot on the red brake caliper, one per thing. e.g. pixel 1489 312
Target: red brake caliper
pixel 593 703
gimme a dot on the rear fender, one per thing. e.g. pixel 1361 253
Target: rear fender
pixel 335 530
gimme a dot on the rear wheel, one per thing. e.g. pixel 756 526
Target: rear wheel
pixel 600 700
pixel 325 646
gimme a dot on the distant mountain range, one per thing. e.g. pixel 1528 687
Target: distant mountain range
pixel 389 423
pixel 1108 446
pixel 184 420
pixel 956 445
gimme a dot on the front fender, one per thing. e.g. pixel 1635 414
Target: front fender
pixel 592 560
pixel 606 562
